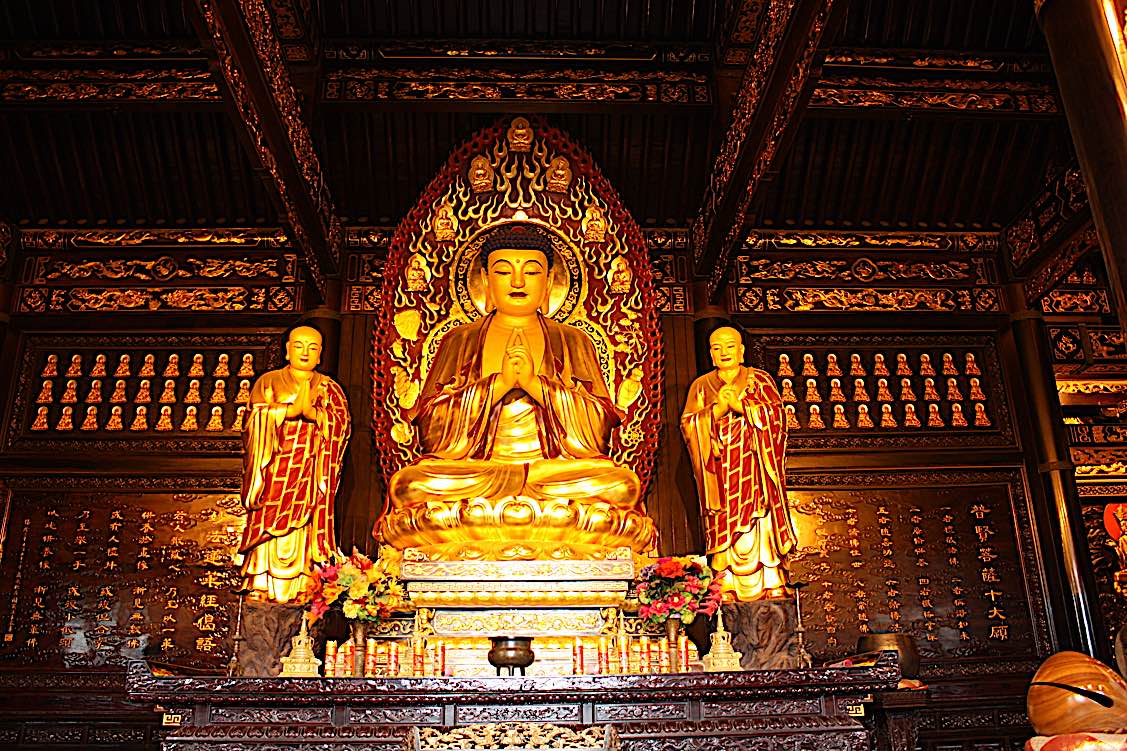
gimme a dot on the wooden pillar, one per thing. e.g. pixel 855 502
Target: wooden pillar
pixel 1086 43
pixel 1061 537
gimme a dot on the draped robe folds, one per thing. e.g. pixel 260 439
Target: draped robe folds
pixel 738 461
pixel 517 447
pixel 291 469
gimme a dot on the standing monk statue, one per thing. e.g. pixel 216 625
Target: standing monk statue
pixel 735 428
pixel 296 429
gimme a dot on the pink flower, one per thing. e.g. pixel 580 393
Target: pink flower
pixel 676 602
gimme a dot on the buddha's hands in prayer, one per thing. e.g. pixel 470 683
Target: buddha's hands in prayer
pixel 518 368
pixel 727 400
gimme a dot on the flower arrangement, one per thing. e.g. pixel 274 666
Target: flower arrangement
pixel 677 588
pixel 364 591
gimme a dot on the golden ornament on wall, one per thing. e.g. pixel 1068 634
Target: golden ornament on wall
pixel 559 175
pixel 620 276
pixel 594 225
pixel 445 223
pixel 418 274
pixel 481 175
pixel 519 135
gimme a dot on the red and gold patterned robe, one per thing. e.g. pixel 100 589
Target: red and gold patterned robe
pixel 291 469
pixel 739 461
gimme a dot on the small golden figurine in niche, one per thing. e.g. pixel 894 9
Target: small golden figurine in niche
pixel 91 420
pixel 445 223
pixel 856 367
pixel 243 396
pixel 812 394
pixel 911 419
pixel 123 367
pixel 902 366
pixel 788 391
pixel 164 422
pixel 559 175
pixel 94 395
pixel 173 366
pixel 238 424
pixel 418 273
pixel 784 365
pixel 980 418
pixel 879 367
pixel 808 366
pixel 99 368
pixel 143 394
pixel 907 393
pixel 115 421
pixel 860 393
pixel 168 396
pixel 70 395
pixel 215 423
pixel 40 422
pixel 949 364
pixel 953 392
pixel 75 368
pixel 814 418
pixel 971 367
pixel 196 368
pixel 958 419
pixel 864 420
pixel 51 367
pixel 480 174
pixel 140 419
pixel 519 135
pixel 148 366
pixel 594 225
pixel 926 368
pixel 883 394
pixel 836 394
pixel 792 418
pixel 887 419
pixel 620 276
pixel 976 390
pixel 735 427
pixel 46 392
pixel 931 394
pixel 218 393
pixel 832 368
pixel 934 419
pixel 840 421
pixel 247 366
pixel 191 419
pixel 222 366
pixel 193 394
pixel 66 419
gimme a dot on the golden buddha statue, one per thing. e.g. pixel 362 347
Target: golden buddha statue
pixel 515 421
pixel 734 424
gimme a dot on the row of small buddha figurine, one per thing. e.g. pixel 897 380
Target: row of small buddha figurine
pixel 879 366
pixel 813 394
pixel 424 657
pixel 115 420
pixel 887 419
pixel 143 394
pixel 124 368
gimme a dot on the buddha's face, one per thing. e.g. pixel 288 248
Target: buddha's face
pixel 726 347
pixel 303 349
pixel 516 280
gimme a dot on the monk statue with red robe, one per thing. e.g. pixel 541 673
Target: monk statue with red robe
pixel 294 436
pixel 735 428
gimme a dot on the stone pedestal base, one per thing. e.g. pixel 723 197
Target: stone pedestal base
pixel 763 632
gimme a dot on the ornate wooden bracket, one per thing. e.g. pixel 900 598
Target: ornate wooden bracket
pixel 773 88
pixel 242 39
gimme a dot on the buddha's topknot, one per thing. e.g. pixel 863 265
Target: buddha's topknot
pixel 516 236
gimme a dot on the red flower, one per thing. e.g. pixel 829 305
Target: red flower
pixel 670 568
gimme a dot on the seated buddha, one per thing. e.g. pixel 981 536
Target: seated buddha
pixel 515 420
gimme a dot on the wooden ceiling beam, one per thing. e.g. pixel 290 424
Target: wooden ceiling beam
pixel 241 39
pixel 773 90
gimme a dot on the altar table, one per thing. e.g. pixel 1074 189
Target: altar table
pixel 768 710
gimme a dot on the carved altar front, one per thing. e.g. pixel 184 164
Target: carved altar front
pixel 761 710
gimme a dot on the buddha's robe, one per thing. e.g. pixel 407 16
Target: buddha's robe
pixel 738 461
pixel 291 469
pixel 516 447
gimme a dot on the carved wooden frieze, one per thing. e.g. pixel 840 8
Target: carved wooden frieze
pixel 899 391
pixel 672 269
pixel 1060 206
pixel 136 393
